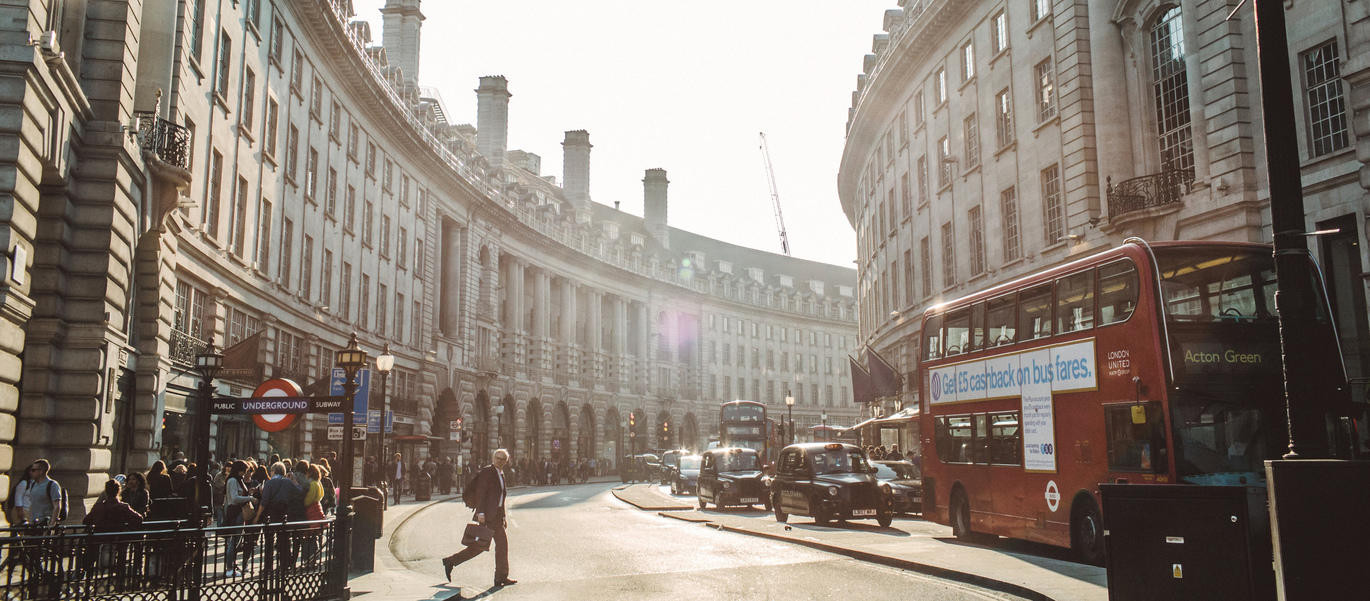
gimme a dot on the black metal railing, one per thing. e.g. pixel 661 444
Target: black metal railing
pixel 1148 191
pixel 170 142
pixel 184 347
pixel 278 561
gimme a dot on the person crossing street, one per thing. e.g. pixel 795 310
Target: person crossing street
pixel 491 491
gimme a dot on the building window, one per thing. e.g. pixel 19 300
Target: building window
pixel 1053 209
pixel 940 86
pixel 1003 118
pixel 1326 104
pixel 399 317
pixel 977 241
pixel 998 32
pixel 197 29
pixel 307 269
pixel 350 208
pixel 908 276
pixel 1171 89
pixel 292 150
pixel 905 200
pixel 972 126
pixel 371 159
pixel 380 305
pixel 388 175
pixel 264 237
pixel 418 257
pixel 335 122
pixel 416 323
pixel 249 97
pixel 1046 91
pixel 402 250
pixel 287 253
pixel 352 137
pixel 316 100
pixel 948 255
pixel 968 61
pixel 404 190
pixel 297 71
pixel 363 318
pixel 1041 9
pixel 918 108
pixel 903 128
pixel 272 124
pixel 331 203
pixel 367 222
pixel 277 39
pixel 1008 200
pixel 225 62
pixel 345 292
pixel 925 252
pixel 216 183
pixel 385 235
pixel 311 175
pixel 943 163
pixel 922 180
pixel 326 279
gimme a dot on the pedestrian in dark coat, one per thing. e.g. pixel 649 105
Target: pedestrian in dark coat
pixel 110 511
pixel 491 490
pixel 159 482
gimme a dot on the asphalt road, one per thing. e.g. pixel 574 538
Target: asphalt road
pixel 579 542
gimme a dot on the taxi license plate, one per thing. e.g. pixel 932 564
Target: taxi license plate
pixel 861 512
pixel 751 500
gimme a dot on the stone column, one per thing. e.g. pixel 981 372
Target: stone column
pixel 1112 124
pixel 618 352
pixel 595 338
pixel 449 302
pixel 568 326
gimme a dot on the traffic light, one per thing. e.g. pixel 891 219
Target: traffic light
pixel 460 423
pixel 632 421
pixel 665 427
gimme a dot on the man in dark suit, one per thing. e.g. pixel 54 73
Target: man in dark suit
pixel 491 491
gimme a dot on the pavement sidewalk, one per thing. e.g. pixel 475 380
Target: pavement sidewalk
pixel 390 579
pixel 917 546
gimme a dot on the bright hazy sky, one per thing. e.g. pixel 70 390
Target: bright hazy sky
pixel 684 86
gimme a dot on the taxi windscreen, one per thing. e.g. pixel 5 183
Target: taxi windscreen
pixel 844 461
pixel 738 462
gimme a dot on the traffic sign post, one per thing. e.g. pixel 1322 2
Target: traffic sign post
pixel 359 398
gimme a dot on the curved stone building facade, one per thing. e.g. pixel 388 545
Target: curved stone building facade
pixel 262 174
pixel 989 140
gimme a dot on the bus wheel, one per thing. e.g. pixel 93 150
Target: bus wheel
pixel 1087 533
pixel 960 517
pixel 780 515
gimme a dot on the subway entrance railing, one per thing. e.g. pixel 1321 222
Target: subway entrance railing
pixel 294 561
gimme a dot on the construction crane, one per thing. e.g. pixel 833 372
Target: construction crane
pixel 775 198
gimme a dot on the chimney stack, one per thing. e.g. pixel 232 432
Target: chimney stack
pixel 402 20
pixel 492 118
pixel 575 175
pixel 654 209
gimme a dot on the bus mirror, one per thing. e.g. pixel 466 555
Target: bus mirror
pixel 1139 414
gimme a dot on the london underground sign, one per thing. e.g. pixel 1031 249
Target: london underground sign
pixel 276 404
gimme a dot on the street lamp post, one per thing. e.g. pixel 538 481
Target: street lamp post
pixel 351 359
pixel 789 403
pixel 208 363
pixel 384 363
pixel 825 424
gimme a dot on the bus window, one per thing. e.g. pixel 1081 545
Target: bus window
pixel 1117 292
pixel 1034 312
pixel 958 332
pixel 977 326
pixel 1000 321
pixel 932 338
pixel 981 442
pixel 1135 437
pixel 954 439
pixel 1217 284
pixel 1075 302
pixel 1006 439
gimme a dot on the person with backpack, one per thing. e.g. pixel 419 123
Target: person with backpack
pixel 46 499
pixel 485 494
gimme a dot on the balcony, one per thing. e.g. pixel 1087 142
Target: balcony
pixel 184 347
pixel 168 141
pixel 1147 192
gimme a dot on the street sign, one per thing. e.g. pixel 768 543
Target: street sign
pixel 271 389
pixel 389 422
pixel 277 404
pixel 335 419
pixel 373 421
pixel 335 432
pixel 335 383
pixel 359 432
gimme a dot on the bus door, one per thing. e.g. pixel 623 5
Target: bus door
pixel 1004 453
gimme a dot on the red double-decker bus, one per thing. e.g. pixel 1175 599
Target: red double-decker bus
pixel 1141 364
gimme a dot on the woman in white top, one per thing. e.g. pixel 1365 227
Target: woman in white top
pixel 19 496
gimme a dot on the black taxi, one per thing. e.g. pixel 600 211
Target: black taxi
pixel 828 481
pixel 730 477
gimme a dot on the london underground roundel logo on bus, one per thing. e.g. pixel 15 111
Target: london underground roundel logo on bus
pixel 936 386
pixel 278 387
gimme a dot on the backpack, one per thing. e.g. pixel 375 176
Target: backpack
pixel 63 505
pixel 468 494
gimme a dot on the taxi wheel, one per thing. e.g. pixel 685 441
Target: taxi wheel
pixel 701 502
pixel 673 489
pixel 780 516
pixel 885 519
pixel 821 516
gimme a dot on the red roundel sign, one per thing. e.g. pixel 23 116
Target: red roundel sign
pixel 275 422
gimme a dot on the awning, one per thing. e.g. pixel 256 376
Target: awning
pixel 864 424
pixel 414 438
pixel 905 414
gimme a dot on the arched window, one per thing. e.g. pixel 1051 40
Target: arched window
pixel 1171 89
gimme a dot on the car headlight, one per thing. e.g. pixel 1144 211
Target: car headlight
pixel 885 486
pixel 832 491
pixel 727 484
